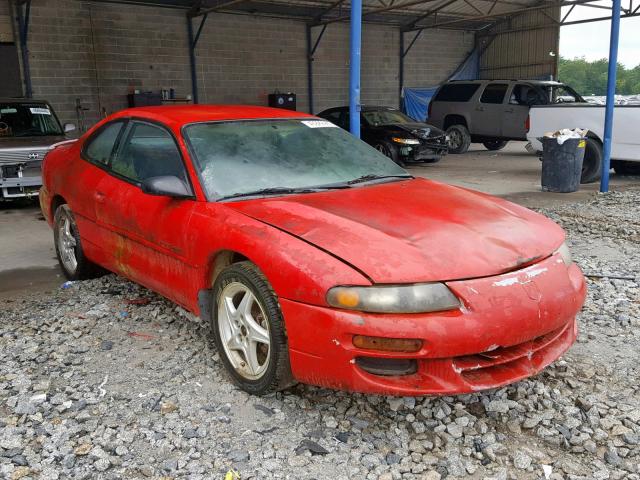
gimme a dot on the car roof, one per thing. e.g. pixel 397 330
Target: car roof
pixel 21 100
pixel 178 115
pixel 533 82
pixel 363 108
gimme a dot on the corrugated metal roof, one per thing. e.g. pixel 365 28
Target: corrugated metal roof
pixel 409 14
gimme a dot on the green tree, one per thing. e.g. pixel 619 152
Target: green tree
pixel 590 78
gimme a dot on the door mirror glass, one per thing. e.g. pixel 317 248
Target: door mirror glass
pixel 166 186
pixel 69 127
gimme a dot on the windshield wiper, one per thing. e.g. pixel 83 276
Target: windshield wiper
pixel 366 178
pixel 283 191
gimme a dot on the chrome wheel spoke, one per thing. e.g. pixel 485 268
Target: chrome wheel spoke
pixel 257 333
pixel 251 355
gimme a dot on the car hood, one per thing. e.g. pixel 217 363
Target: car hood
pixel 413 231
pixel 420 130
pixel 35 142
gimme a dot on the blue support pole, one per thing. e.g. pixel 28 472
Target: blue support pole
pixel 611 94
pixel 354 67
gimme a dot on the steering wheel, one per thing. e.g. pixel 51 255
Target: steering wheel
pixel 4 129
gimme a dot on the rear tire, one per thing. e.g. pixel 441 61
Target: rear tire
pixel 74 264
pixel 459 139
pixel 592 164
pixel 390 151
pixel 249 330
pixel 494 145
pixel 623 167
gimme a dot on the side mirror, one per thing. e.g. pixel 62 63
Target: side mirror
pixel 166 186
pixel 69 127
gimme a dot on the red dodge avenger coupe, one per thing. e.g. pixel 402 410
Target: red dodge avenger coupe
pixel 315 257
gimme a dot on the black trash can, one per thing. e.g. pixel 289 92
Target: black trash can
pixel 562 164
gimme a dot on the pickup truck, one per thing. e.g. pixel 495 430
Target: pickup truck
pixel 28 130
pixel 625 148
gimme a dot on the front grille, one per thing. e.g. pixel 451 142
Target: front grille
pixel 475 368
pixel 22 155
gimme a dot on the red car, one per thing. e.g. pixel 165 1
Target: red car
pixel 316 258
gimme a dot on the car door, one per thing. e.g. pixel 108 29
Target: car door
pixel 148 233
pixel 521 97
pixel 85 175
pixel 489 111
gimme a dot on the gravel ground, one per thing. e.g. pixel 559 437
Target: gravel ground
pixel 107 380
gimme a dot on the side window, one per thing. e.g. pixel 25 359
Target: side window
pixel 149 151
pixel 494 93
pixel 456 92
pixel 525 95
pixel 100 146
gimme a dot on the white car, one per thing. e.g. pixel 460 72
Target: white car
pixel 625 148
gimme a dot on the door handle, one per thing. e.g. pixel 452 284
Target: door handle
pixel 99 197
pixel 510 110
pixel 480 109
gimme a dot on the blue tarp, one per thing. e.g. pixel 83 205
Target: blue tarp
pixel 415 101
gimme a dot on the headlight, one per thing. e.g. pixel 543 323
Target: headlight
pixel 565 254
pixel 406 141
pixel 426 297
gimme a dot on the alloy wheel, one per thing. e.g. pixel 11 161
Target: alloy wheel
pixel 244 330
pixel 383 150
pixel 67 243
pixel 455 139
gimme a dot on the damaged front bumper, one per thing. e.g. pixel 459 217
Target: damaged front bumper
pixel 510 327
pixel 426 151
pixel 20 180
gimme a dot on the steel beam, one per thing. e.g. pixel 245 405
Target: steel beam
pixel 428 14
pixel 221 6
pixel 502 14
pixel 611 94
pixel 330 8
pixel 311 50
pixel 379 10
pixel 193 42
pixel 22 16
pixel 599 19
pixel 354 67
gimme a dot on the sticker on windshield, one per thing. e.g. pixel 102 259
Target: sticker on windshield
pixel 40 111
pixel 8 110
pixel 318 124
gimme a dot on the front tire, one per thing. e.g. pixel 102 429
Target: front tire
pixel 389 151
pixel 494 145
pixel 249 330
pixel 73 262
pixel 459 139
pixel 592 163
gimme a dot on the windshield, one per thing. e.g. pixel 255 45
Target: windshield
pixel 27 120
pixel 562 94
pixel 248 156
pixel 385 117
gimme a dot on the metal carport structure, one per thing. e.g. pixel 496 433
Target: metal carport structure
pixel 487 19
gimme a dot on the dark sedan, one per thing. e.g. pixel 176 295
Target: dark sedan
pixel 394 134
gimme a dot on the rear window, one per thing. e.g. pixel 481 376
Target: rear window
pixel 456 92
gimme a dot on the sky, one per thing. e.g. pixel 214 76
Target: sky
pixel 591 40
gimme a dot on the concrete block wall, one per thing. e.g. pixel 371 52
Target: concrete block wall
pixel 6 31
pixel 98 52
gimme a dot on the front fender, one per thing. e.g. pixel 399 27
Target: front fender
pixel 296 269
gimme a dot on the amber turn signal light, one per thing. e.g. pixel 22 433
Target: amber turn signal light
pixel 387 344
